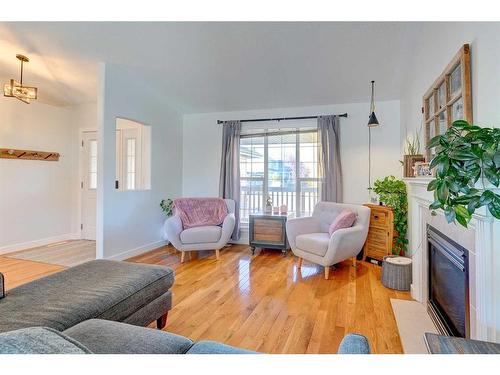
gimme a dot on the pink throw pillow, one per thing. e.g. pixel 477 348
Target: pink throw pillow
pixel 345 220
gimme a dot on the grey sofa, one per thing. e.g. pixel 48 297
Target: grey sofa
pixel 106 337
pixel 120 291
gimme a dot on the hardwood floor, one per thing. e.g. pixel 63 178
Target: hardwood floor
pixel 19 271
pixel 264 302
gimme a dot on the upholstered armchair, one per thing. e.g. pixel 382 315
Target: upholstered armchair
pixel 309 238
pixel 212 237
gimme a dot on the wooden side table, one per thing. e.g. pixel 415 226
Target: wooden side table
pixel 381 233
pixel 268 231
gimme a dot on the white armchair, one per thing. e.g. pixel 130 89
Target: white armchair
pixel 201 238
pixel 309 238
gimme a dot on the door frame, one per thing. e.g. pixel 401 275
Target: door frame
pixel 80 177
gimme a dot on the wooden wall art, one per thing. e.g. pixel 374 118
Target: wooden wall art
pixel 449 98
pixel 10 153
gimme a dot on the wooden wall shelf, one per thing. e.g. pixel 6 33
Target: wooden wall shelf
pixel 11 153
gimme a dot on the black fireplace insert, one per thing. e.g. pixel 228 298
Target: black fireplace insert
pixel 448 303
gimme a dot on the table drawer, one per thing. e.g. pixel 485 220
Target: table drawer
pixel 375 252
pixel 378 237
pixel 379 218
pixel 267 223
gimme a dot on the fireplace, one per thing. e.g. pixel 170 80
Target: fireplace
pixel 448 302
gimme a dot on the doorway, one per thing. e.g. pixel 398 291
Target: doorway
pixel 89 185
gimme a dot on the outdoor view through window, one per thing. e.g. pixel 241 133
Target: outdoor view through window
pixel 280 165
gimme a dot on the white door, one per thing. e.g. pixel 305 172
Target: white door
pixel 89 185
pixel 129 159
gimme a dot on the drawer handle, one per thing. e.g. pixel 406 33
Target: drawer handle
pixel 375 216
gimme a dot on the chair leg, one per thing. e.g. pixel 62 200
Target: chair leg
pixel 217 253
pixel 299 264
pixel 183 256
pixel 327 272
pixel 354 261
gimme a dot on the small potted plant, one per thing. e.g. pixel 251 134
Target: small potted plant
pixel 166 206
pixel 412 155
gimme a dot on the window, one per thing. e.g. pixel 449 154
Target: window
pixel 133 155
pixel 282 165
pixel 130 172
pixel 93 164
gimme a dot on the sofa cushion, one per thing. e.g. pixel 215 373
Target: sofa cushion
pixel 39 340
pixel 354 344
pixel 106 337
pixel 98 289
pixel 212 347
pixel 314 243
pixel 206 234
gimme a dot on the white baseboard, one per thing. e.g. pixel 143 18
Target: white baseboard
pixel 36 243
pixel 138 250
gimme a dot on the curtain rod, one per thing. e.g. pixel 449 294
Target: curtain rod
pixel 279 118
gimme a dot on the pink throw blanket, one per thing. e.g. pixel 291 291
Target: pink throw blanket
pixel 199 212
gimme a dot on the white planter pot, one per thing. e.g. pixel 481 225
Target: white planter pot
pixel 165 237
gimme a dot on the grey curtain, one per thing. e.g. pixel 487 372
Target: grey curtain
pixel 329 158
pixel 229 183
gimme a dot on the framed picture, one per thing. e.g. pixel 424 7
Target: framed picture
pixel 449 98
pixel 422 169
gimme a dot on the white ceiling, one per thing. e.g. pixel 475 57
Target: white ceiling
pixel 215 66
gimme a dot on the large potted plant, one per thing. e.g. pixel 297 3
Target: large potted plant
pixel 467 167
pixel 392 193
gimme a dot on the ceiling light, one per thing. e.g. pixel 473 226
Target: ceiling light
pixel 15 89
pixel 372 121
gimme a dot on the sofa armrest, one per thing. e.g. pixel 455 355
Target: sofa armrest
pixel 173 229
pixel 227 228
pixel 301 225
pixel 346 243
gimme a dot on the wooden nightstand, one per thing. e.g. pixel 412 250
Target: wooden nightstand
pixel 381 233
pixel 268 231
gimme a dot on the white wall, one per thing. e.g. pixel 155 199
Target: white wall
pixel 436 45
pixel 203 136
pixel 130 222
pixel 36 197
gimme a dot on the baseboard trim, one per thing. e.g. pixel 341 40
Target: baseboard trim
pixel 36 243
pixel 137 251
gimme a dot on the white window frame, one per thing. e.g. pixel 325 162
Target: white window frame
pixel 265 133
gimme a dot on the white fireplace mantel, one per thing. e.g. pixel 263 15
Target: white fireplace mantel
pixel 482 239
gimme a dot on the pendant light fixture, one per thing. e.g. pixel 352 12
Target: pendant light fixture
pixel 15 89
pixel 372 122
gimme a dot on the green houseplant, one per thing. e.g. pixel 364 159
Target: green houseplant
pixel 465 154
pixel 392 192
pixel 166 206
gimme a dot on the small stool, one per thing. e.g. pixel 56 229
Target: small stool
pixel 396 272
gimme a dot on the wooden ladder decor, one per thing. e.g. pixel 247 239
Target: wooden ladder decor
pixel 9 153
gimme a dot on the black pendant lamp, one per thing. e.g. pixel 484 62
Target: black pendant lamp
pixel 373 121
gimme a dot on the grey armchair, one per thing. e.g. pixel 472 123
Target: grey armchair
pixel 309 238
pixel 201 238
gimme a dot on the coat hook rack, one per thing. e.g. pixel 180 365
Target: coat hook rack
pixel 11 153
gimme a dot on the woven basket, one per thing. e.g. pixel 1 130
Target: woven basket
pixel 396 272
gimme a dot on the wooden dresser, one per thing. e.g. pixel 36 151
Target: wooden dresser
pixel 381 233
